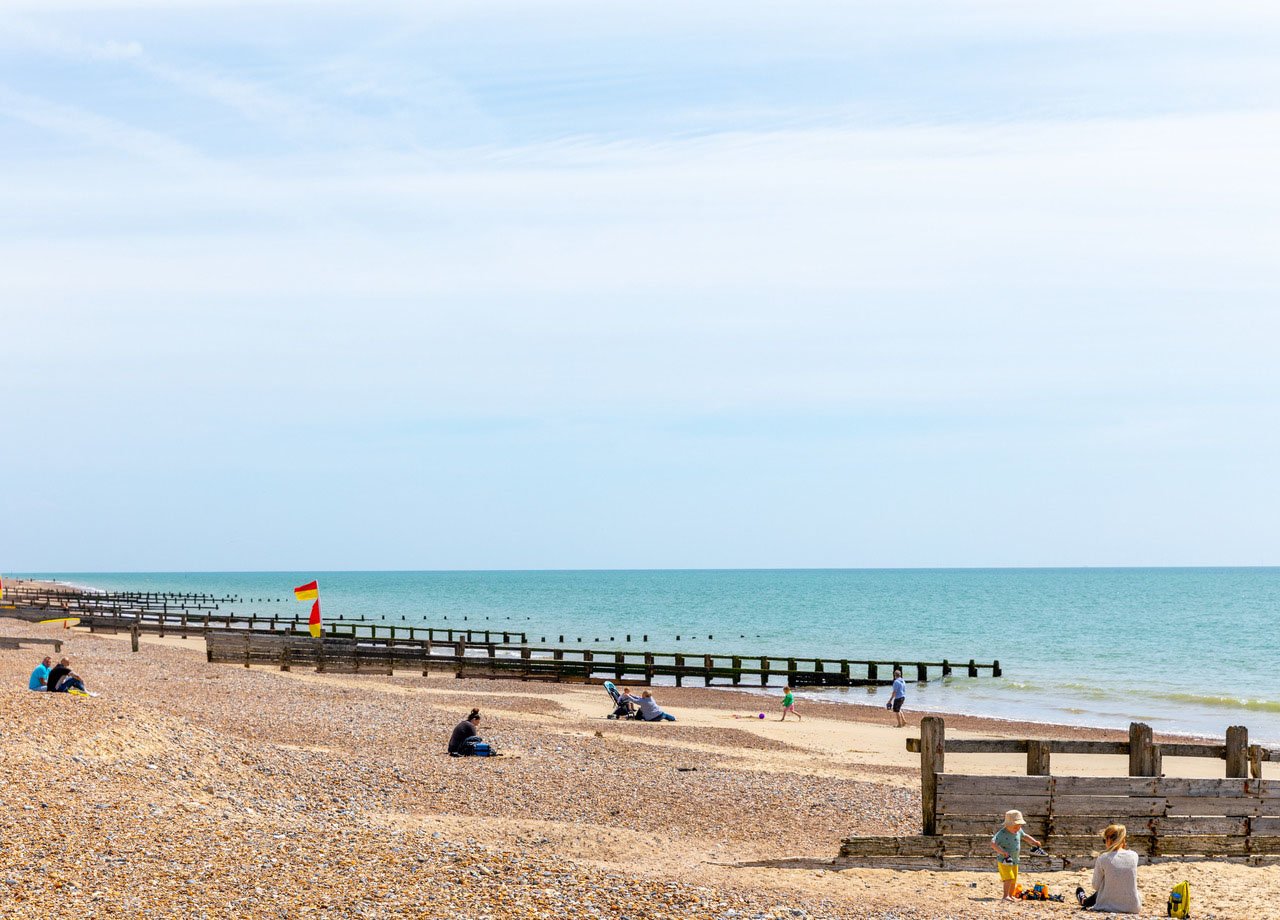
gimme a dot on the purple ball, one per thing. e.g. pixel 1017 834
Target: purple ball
pixel 762 715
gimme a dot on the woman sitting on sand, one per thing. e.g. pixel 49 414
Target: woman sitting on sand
pixel 649 709
pixel 1115 877
pixel 465 734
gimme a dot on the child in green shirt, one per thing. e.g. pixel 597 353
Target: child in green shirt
pixel 788 704
pixel 1008 843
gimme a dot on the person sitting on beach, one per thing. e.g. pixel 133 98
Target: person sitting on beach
pixel 465 734
pixel 69 682
pixel 40 676
pixel 60 670
pixel 649 709
pixel 1115 877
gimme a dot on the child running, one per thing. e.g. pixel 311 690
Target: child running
pixel 1008 843
pixel 788 704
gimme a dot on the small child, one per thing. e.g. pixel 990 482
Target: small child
pixel 1008 843
pixel 788 704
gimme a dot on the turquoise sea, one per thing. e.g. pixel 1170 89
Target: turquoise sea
pixel 1189 650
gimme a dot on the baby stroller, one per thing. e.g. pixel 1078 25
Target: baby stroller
pixel 621 708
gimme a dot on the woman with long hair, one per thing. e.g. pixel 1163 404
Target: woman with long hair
pixel 1115 876
pixel 465 734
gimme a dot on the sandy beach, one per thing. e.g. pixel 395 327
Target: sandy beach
pixel 189 789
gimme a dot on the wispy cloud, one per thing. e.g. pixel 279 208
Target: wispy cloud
pixel 725 247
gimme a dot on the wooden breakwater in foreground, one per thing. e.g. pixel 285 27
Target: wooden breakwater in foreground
pixel 571 665
pixel 1236 817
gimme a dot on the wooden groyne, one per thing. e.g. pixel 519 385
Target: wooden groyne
pixel 1236 817
pixel 525 662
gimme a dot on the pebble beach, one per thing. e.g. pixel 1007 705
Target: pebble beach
pixel 194 790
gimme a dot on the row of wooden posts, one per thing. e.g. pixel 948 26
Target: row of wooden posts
pixel 527 662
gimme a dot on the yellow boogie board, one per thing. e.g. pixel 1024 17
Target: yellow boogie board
pixel 67 622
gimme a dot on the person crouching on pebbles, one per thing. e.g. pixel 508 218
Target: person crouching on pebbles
pixel 650 711
pixel 1008 843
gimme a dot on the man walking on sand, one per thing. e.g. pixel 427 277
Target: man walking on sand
pixel 898 696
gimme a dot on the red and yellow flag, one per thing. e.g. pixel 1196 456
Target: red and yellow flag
pixel 314 623
pixel 308 592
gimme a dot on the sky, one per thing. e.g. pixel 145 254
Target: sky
pixel 571 284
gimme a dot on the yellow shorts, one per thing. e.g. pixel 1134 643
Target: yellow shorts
pixel 1008 873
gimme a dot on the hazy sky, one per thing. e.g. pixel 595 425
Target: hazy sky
pixel 587 284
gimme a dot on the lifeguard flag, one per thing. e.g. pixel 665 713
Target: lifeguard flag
pixel 308 592
pixel 314 622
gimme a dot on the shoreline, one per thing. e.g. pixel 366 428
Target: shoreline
pixel 850 710
pixel 1013 722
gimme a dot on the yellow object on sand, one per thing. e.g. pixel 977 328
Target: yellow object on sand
pixel 67 622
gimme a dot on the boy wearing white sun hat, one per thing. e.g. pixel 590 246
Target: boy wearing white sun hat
pixel 1008 843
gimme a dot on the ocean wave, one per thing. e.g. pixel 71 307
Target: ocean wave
pixel 1220 702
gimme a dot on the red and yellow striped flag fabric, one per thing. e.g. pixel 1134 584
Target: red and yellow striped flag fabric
pixel 314 623
pixel 308 592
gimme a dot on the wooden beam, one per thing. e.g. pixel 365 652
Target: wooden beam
pixel 1237 751
pixel 933 746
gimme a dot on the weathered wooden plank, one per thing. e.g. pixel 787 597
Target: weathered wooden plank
pixel 1269 845
pixel 1267 824
pixel 1217 788
pixel 968 845
pixel 1091 844
pixel 985 824
pixel 993 805
pixel 1173 825
pixel 966 784
pixel 1210 805
pixel 1112 806
pixel 919 845
pixel 1212 751
pixel 1105 785
pixel 1201 845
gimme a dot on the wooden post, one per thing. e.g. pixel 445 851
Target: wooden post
pixel 1037 758
pixel 933 743
pixel 1238 751
pixel 133 637
pixel 285 657
pixel 973 668
pixel 1141 757
pixel 736 664
pixel 764 672
pixel 922 674
pixel 679 669
pixel 995 669
pixel 648 667
pixel 1255 761
pixel 946 668
pixel 873 670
